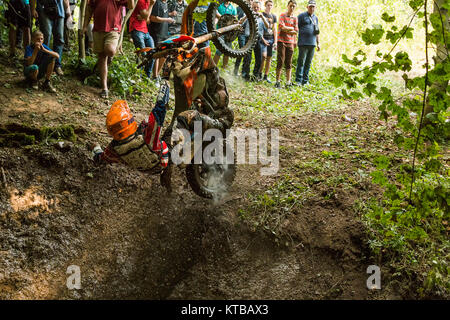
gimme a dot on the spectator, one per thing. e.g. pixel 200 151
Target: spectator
pixel 89 39
pixel 198 9
pixel 107 25
pixel 260 23
pixel 68 20
pixel 308 39
pixel 159 29
pixel 176 9
pixel 224 8
pixel 269 40
pixel 139 30
pixel 19 37
pixel 18 16
pixel 242 38
pixel 39 60
pixel 287 30
pixel 51 16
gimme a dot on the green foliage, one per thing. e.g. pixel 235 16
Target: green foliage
pixel 124 77
pixel 374 35
pixel 65 132
pixel 16 139
pixel 270 209
pixel 411 221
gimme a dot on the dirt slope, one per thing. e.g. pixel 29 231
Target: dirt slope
pixel 133 241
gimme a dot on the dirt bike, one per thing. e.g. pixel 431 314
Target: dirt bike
pixel 182 56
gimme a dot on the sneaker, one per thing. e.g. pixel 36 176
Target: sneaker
pixel 47 86
pixel 288 85
pixel 59 71
pixel 266 79
pixel 104 94
pixel 277 85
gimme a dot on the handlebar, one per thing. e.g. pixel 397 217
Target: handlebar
pixel 203 38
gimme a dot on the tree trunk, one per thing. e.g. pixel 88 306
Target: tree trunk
pixel 81 46
pixel 441 53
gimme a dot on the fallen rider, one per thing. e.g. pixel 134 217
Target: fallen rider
pixel 139 147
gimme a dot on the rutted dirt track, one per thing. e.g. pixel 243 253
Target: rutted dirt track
pixel 133 241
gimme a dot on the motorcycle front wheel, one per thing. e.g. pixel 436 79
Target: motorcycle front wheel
pixel 234 44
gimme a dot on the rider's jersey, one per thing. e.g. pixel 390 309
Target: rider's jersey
pixel 144 149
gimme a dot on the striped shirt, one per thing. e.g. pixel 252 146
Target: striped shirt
pixel 286 21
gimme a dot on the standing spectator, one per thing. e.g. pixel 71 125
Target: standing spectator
pixel 261 23
pixel 68 20
pixel 308 39
pixel 18 16
pixel 269 40
pixel 287 30
pixel 107 25
pixel 39 61
pixel 89 39
pixel 19 37
pixel 198 9
pixel 242 38
pixel 224 8
pixel 176 9
pixel 139 30
pixel 159 29
pixel 51 16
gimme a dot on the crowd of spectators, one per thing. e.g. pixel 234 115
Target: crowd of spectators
pixel 151 22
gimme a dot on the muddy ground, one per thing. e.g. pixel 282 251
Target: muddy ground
pixel 132 240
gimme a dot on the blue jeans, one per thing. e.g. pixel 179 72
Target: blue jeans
pixel 42 67
pixel 248 61
pixel 242 40
pixel 56 28
pixel 305 56
pixel 200 28
pixel 143 40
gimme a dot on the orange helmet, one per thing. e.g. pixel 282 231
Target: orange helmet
pixel 119 121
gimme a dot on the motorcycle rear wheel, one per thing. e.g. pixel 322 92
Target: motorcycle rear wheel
pixel 211 181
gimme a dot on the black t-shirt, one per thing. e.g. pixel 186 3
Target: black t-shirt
pixel 159 31
pixel 271 20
